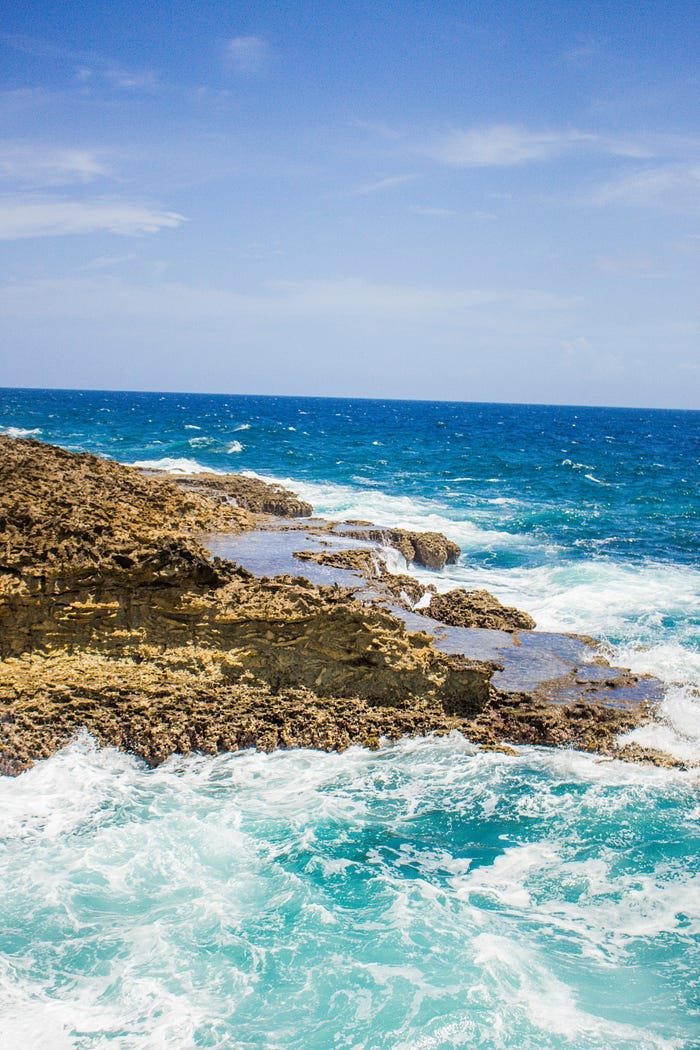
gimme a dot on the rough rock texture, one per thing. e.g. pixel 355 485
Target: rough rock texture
pixel 251 493
pixel 460 608
pixel 406 590
pixel 432 550
pixel 114 618
pixel 355 559
pixel 64 512
pixel 110 609
pixel 189 698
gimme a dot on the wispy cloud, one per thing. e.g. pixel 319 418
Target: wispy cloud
pixel 37 165
pixel 23 216
pixel 91 66
pixel 247 55
pixel 105 262
pixel 625 265
pixel 118 76
pixel 311 299
pixel 513 145
pixel 420 209
pixel 380 185
pixel 503 145
pixel 671 186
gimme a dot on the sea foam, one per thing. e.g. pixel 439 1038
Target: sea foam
pixel 391 898
pixel 170 465
pixel 20 432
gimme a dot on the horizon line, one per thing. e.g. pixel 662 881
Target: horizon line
pixel 347 397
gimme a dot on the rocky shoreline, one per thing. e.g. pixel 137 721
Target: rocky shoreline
pixel 115 618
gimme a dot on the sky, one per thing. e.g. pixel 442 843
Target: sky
pixel 477 201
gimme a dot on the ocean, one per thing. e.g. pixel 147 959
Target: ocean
pixel 426 895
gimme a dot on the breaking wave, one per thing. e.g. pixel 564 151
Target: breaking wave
pixel 426 895
pixel 171 465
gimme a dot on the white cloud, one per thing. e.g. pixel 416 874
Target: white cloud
pixel 420 209
pixel 27 216
pixel 118 76
pixel 504 145
pixel 511 145
pixel 673 186
pixel 35 165
pixel 284 300
pixel 247 55
pixel 625 265
pixel 379 185
pixel 91 65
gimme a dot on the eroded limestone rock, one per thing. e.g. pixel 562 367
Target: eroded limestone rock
pixel 110 609
pixel 254 495
pixel 459 608
pixel 432 550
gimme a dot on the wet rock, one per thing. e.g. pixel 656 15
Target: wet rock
pixel 432 550
pixel 253 494
pixel 114 619
pixel 355 559
pixel 461 608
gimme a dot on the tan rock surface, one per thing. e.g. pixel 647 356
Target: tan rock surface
pixel 432 550
pixel 461 608
pixel 113 618
pixel 250 493
pixel 109 605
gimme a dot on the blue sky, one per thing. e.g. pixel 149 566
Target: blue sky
pixel 490 201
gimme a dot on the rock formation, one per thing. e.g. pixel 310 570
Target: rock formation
pixel 114 619
pixel 108 598
pixel 250 493
pixel 460 608
pixel 432 550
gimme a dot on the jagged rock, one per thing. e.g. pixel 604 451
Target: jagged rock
pixel 258 496
pixel 354 559
pixel 114 618
pixel 366 561
pixel 432 550
pixel 461 608
pixel 102 580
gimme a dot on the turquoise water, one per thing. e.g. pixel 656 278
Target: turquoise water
pixel 424 895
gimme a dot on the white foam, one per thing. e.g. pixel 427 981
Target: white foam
pixel 608 599
pixel 19 432
pixel 175 466
pixel 242 426
pixel 524 980
pixel 676 729
pixel 369 504
pixel 235 446
pixel 166 905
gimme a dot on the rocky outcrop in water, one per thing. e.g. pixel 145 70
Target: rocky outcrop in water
pixel 114 618
pixel 252 494
pixel 110 608
pixel 432 550
pixel 460 608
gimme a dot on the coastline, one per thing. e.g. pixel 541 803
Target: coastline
pixel 116 618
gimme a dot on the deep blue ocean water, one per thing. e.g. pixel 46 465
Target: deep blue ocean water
pixel 426 895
